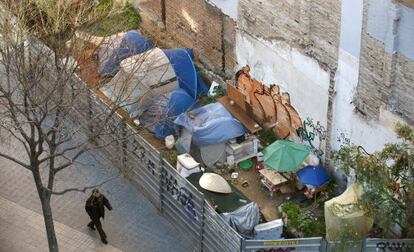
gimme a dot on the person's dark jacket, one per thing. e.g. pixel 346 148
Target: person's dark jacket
pixel 95 206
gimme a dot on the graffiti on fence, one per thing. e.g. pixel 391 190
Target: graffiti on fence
pixel 186 199
pixel 394 246
pixel 181 194
pixel 141 153
pixel 310 132
pixel 151 166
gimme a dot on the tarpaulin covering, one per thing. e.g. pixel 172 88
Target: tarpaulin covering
pixel 244 219
pixel 179 102
pixel 210 124
pixel 119 47
pixel 342 217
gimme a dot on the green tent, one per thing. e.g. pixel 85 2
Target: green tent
pixel 285 156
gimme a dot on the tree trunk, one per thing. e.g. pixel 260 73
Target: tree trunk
pixel 50 228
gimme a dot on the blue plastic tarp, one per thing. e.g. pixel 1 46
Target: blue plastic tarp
pixel 128 44
pixel 211 124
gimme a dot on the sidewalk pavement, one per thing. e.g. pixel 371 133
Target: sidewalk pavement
pixel 133 225
pixel 22 229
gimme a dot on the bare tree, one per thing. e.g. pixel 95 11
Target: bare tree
pixel 44 106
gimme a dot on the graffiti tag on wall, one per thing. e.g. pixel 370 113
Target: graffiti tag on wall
pixel 311 132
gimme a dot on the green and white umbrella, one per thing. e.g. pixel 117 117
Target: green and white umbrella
pixel 285 156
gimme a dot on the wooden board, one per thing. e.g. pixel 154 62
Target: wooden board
pixel 238 97
pixel 239 114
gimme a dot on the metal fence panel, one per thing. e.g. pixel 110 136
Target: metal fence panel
pixel 182 204
pixel 354 246
pixel 218 233
pixel 303 244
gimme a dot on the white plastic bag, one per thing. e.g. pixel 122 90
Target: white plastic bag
pixel 169 141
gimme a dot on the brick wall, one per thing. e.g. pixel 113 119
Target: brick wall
pixel 194 24
pixel 198 25
pixel 402 100
pixel 372 91
pixel 312 25
pixel 325 25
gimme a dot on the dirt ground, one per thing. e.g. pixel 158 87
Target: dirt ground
pixel 254 191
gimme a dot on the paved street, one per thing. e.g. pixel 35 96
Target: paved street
pixel 133 225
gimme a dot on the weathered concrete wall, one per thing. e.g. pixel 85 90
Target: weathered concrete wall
pixel 325 18
pixel 312 25
pixel 387 60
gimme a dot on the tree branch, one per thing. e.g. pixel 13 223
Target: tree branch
pixel 83 189
pixel 15 160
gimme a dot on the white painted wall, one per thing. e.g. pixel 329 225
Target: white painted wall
pixel 372 135
pixel 228 7
pixel 300 75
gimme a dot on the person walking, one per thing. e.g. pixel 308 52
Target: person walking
pixel 95 208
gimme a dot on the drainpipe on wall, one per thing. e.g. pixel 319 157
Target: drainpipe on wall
pixel 329 117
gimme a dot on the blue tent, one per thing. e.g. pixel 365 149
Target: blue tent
pixel 210 124
pixel 121 47
pixel 182 61
pixel 179 102
pixel 313 175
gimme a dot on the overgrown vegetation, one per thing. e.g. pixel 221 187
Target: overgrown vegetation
pixel 302 221
pixel 387 180
pixel 203 100
pixel 266 137
pixel 124 17
pixel 170 156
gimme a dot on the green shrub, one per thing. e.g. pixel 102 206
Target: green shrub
pixel 203 100
pixel 303 221
pixel 114 21
pixel 266 137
